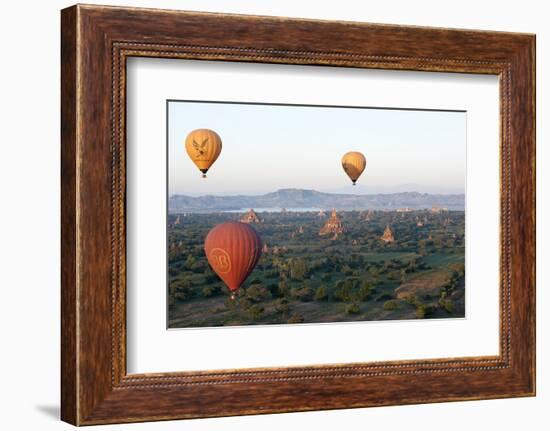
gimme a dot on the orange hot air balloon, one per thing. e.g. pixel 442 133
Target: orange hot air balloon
pixel 233 250
pixel 203 147
pixel 354 164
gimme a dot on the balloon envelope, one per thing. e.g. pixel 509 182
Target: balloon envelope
pixel 233 250
pixel 203 147
pixel 354 164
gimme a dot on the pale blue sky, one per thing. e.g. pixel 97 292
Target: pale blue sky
pixel 268 147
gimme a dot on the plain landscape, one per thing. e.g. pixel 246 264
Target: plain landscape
pixel 321 265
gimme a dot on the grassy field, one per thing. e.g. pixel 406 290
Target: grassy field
pixel 307 278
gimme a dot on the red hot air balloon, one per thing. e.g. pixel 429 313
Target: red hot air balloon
pixel 233 250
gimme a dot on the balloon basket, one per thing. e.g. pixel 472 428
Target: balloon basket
pixel 204 175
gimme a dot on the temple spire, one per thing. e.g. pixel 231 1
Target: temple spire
pixel 333 225
pixel 250 217
pixel 387 236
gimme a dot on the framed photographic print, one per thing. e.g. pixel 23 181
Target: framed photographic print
pixel 282 215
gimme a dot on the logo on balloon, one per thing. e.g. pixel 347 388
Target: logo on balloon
pixel 201 150
pixel 220 260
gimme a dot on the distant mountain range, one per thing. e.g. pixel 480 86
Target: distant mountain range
pixel 300 198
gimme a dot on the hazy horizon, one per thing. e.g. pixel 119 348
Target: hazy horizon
pixel 272 147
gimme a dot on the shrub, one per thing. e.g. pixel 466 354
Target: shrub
pixel 283 289
pixel 345 291
pixel 298 269
pixel 364 291
pixel 244 303
pixel 420 312
pixel 373 271
pixel 189 262
pixel 296 318
pixel 304 294
pixel 447 305
pixel 181 290
pixel 390 305
pixel 347 270
pixel 394 275
pixel 207 291
pixel 256 293
pixel 281 306
pixel 413 300
pixel 256 311
pixel 352 308
pixel 321 293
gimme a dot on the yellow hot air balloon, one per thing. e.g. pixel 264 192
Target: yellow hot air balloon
pixel 354 164
pixel 203 147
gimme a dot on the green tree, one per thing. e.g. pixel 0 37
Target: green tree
pixel 390 305
pixel 420 312
pixel 352 308
pixel 283 289
pixel 374 271
pixel 364 291
pixel 244 303
pixel 447 305
pixel 344 291
pixel 181 290
pixel 207 291
pixel 304 294
pixel 257 293
pixel 255 311
pixel 298 269
pixel 321 293
pixel 403 275
pixel 281 306
pixel 189 262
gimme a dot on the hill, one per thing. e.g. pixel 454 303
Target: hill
pixel 301 198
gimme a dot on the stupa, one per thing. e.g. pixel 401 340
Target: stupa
pixel 388 235
pixel 250 217
pixel 437 210
pixel 332 225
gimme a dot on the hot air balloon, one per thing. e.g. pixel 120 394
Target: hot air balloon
pixel 233 250
pixel 354 164
pixel 203 147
